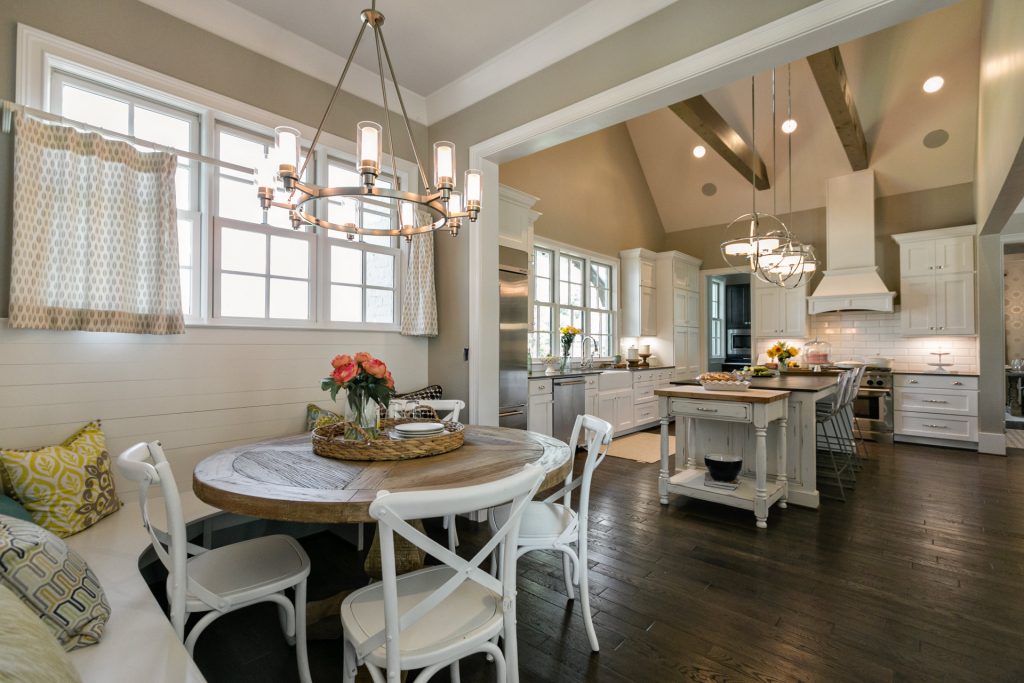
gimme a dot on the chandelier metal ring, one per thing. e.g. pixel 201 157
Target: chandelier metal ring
pixel 432 203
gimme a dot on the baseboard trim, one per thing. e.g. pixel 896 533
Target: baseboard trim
pixel 992 442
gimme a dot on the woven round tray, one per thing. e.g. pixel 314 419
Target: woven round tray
pixel 329 442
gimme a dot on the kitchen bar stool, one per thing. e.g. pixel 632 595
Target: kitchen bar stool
pixel 834 430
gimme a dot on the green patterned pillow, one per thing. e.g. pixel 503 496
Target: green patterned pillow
pixel 317 417
pixel 65 488
pixel 28 651
pixel 54 581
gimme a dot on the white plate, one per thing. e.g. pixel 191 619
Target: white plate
pixel 848 364
pixel 419 428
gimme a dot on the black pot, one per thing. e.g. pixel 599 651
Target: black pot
pixel 723 467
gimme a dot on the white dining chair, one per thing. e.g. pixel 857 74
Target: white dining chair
pixel 550 525
pixel 447 410
pixel 433 617
pixel 219 580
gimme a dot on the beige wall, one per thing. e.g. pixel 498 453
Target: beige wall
pixel 680 30
pixel 143 35
pixel 1000 171
pixel 941 207
pixel 592 193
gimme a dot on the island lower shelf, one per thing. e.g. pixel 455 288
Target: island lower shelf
pixel 690 482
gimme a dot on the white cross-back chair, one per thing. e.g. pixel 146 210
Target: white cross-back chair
pixel 549 525
pixel 447 410
pixel 220 580
pixel 431 618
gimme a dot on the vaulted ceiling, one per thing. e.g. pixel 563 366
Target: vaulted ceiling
pixel 885 70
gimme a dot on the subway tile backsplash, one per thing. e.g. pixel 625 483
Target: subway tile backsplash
pixel 855 335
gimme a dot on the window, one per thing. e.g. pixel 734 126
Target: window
pixel 716 310
pixel 571 289
pixel 239 264
pixel 83 100
pixel 363 271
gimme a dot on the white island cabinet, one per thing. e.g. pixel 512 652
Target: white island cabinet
pixel 730 414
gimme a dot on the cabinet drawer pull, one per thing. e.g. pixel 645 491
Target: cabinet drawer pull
pixel 913 381
pixel 708 410
pixel 934 400
pixel 958 384
pixel 937 426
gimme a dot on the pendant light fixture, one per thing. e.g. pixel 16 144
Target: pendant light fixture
pixel 768 250
pixel 445 207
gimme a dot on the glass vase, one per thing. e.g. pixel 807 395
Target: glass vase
pixel 364 412
pixel 565 357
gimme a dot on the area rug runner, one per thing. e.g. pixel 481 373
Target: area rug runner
pixel 642 447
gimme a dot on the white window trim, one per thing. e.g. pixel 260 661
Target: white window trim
pixel 559 249
pixel 40 53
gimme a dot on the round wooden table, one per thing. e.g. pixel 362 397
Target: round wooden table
pixel 284 480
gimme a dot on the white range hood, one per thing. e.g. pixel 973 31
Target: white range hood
pixel 851 282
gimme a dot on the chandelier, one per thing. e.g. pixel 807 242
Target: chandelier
pixel 768 250
pixel 441 206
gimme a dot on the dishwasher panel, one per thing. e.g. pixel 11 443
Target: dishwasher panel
pixel 570 401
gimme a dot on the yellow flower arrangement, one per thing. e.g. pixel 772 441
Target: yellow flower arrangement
pixel 782 351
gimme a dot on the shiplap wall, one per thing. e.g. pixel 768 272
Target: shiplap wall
pixel 197 393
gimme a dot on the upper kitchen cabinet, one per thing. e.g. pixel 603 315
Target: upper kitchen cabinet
pixel 937 282
pixel 779 312
pixel 678 286
pixel 639 300
pixel 516 218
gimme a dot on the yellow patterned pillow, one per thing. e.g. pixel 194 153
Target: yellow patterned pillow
pixel 65 488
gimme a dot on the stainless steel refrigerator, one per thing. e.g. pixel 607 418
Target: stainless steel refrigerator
pixel 513 373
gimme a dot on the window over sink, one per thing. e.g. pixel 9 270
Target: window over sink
pixel 572 287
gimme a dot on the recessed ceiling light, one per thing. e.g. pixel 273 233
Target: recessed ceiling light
pixel 934 84
pixel 788 126
pixel 699 151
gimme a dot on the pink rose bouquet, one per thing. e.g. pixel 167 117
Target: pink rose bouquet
pixel 366 381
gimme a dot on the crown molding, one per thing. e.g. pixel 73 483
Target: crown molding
pixel 577 30
pixel 242 27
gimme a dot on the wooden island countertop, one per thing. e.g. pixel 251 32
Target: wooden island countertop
pixel 784 382
pixel 699 392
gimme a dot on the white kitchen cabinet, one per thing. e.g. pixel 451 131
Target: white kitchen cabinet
pixel 648 312
pixel 780 312
pixel 679 311
pixel 638 294
pixel 937 282
pixel 616 407
pixel 685 272
pixel 686 307
pixel 935 409
pixel 590 395
pixel 539 415
pixel 516 218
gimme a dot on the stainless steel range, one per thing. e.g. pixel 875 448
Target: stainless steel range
pixel 873 405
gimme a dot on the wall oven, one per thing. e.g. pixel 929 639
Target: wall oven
pixel 738 342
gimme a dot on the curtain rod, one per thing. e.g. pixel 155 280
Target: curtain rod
pixel 10 107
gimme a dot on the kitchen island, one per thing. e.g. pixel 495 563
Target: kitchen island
pixel 739 414
pixel 805 390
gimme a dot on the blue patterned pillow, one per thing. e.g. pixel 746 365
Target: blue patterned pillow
pixel 54 581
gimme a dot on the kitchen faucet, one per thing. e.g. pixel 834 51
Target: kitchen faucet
pixel 588 361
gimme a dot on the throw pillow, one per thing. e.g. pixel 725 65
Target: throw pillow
pixel 428 393
pixel 28 651
pixel 11 508
pixel 66 488
pixel 317 416
pixel 54 581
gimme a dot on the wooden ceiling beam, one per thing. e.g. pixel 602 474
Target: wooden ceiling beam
pixel 830 74
pixel 706 122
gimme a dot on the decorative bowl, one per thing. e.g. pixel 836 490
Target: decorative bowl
pixel 722 466
pixel 726 386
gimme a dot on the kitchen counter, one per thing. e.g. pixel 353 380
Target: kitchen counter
pixel 940 374
pixel 652 367
pixel 540 374
pixel 808 383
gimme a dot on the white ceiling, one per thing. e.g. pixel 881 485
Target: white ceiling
pixel 885 71
pixel 447 55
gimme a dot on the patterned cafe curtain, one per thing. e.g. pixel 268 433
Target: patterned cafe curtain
pixel 95 242
pixel 419 301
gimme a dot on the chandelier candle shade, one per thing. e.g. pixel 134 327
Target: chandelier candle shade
pixel 444 208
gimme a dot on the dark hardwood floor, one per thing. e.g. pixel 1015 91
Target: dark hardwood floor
pixel 919 576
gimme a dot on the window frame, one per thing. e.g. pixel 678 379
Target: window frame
pixel 558 250
pixel 41 55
